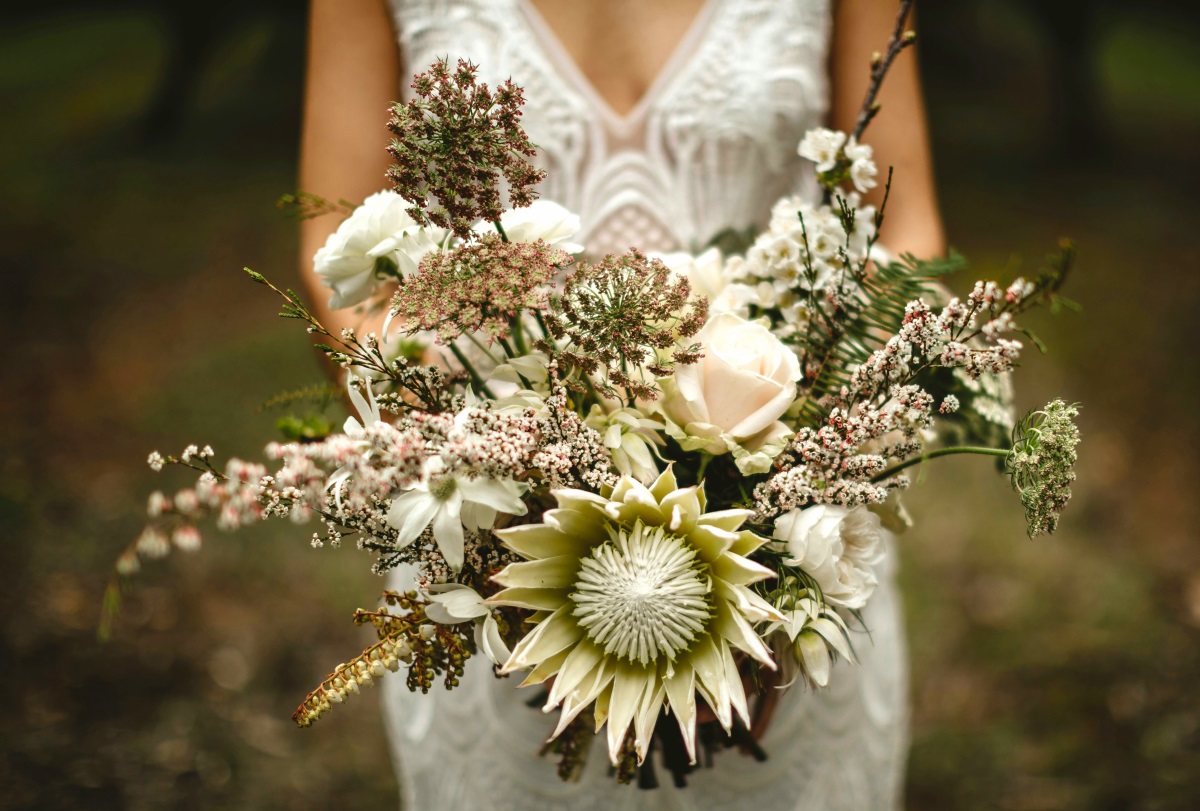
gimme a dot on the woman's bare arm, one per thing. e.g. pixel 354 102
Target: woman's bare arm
pixel 353 74
pixel 898 134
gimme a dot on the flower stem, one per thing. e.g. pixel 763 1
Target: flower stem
pixel 475 378
pixel 500 230
pixel 940 452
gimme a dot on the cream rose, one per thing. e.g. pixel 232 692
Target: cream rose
pixel 732 398
pixel 839 547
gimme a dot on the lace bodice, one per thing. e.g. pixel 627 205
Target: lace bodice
pixel 692 158
pixel 710 146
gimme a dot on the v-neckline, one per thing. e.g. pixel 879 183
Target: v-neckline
pixel 558 52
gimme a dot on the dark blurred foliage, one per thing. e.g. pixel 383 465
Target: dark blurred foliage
pixel 143 146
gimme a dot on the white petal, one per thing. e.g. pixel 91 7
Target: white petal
pixel 410 513
pixel 448 532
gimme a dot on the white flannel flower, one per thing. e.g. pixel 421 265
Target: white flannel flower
pixel 379 229
pixel 631 439
pixel 812 631
pixel 454 603
pixel 449 502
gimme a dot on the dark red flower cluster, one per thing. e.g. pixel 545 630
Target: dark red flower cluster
pixel 620 317
pixel 456 143
pixel 479 286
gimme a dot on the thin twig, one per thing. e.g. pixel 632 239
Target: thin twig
pixel 880 64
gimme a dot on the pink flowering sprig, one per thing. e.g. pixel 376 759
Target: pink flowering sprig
pixel 843 461
pixel 864 434
pixel 482 286
pixel 616 320
pixel 967 334
pixel 455 142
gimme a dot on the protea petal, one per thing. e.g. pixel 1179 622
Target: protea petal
pixel 534 599
pixel 548 573
pixel 536 541
pixel 627 690
pixel 552 635
pixel 681 693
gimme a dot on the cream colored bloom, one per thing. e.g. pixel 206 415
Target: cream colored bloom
pixel 839 547
pixel 544 220
pixel 378 229
pixel 454 603
pixel 732 398
pixel 632 440
pixel 641 599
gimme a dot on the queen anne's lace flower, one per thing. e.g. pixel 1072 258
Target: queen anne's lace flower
pixel 643 597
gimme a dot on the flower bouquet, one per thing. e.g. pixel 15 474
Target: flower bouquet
pixel 653 484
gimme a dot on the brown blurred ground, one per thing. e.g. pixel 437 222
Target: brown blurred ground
pixel 140 158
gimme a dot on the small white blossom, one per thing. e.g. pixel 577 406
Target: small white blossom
pixel 823 147
pixel 862 166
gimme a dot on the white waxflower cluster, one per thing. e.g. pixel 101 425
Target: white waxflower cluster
pixel 839 157
pixel 806 258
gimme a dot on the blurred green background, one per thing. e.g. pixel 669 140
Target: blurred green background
pixel 144 146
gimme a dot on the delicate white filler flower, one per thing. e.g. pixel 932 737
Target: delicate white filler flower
pixel 839 547
pixel 732 398
pixel 862 167
pixel 642 599
pixel 378 229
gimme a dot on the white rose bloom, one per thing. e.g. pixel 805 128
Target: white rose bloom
pixel 544 220
pixel 839 547
pixel 821 146
pixel 379 228
pixel 732 398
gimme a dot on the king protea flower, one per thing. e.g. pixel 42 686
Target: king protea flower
pixel 641 600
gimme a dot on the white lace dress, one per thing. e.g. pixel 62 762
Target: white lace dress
pixel 711 146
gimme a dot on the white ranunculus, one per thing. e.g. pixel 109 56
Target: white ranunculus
pixel 839 547
pixel 544 220
pixel 378 229
pixel 732 398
